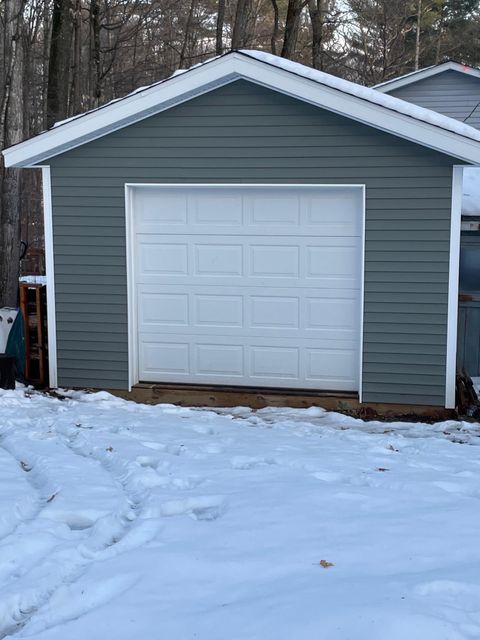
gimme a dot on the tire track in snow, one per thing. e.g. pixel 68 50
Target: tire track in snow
pixel 25 595
pixel 26 505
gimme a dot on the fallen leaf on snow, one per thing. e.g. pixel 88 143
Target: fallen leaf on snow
pixel 325 564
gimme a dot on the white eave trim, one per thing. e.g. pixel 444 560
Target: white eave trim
pixel 221 71
pixel 421 74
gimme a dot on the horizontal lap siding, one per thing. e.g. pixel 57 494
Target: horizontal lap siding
pixel 451 93
pixel 244 133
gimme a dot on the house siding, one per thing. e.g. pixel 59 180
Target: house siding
pixel 245 133
pixel 451 93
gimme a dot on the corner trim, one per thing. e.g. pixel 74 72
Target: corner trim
pixel 133 375
pixel 454 268
pixel 362 291
pixel 50 270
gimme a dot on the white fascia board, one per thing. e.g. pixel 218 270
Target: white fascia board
pixel 421 74
pixel 221 71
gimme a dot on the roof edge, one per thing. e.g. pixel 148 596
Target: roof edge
pixel 427 72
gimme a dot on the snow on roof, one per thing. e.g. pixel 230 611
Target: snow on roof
pixel 176 73
pixel 367 93
pixel 320 77
pixel 471 191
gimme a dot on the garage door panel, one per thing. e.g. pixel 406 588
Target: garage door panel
pixel 249 286
pixel 332 262
pixel 267 208
pixel 334 209
pixel 275 363
pixel 219 360
pixel 163 309
pixel 154 212
pixel 218 310
pixel 162 259
pixel 218 259
pixel 216 208
pixel 270 363
pixel 310 311
pixel 322 313
pixel 204 210
pixel 324 366
pixel 272 261
pixel 164 358
pixel 274 311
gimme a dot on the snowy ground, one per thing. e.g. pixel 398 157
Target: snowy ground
pixel 123 521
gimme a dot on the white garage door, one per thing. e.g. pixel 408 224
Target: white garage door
pixel 254 286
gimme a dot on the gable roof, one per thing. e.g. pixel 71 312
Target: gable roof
pixel 366 105
pixel 427 72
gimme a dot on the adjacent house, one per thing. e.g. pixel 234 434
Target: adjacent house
pixel 453 89
pixel 256 223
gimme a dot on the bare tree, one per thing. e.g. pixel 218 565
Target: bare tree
pixel 239 37
pixel 276 27
pixel 11 132
pixel 59 60
pixel 292 25
pixel 219 28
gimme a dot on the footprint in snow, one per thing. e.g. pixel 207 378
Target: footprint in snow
pixel 249 462
pixel 198 508
pixel 328 476
pixel 172 449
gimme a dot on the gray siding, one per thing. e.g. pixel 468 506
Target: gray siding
pixel 451 93
pixel 245 133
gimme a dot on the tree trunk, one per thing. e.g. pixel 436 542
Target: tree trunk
pixel 95 26
pixel 75 101
pixel 186 35
pixel 317 10
pixel 276 28
pixel 11 132
pixel 292 25
pixel 59 61
pixel 417 35
pixel 219 28
pixel 239 36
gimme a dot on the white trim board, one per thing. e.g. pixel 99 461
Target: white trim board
pixel 454 268
pixel 428 72
pixel 133 368
pixel 50 270
pixel 362 104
